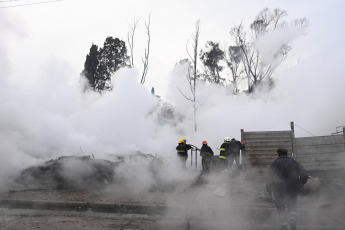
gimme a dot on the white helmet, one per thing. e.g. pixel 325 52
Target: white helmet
pixel 227 139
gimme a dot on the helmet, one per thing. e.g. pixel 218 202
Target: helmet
pixel 204 142
pixel 227 139
pixel 183 139
pixel 180 141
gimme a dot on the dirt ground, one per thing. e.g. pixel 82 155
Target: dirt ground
pixel 19 219
pixel 226 204
pixel 57 220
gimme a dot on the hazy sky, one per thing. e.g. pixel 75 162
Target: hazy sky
pixel 66 29
pixel 43 49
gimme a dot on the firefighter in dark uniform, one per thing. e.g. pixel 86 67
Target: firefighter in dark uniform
pixel 285 179
pixel 235 147
pixel 224 154
pixel 206 154
pixel 182 151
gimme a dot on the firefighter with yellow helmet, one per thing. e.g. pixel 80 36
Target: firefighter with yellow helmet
pixel 182 151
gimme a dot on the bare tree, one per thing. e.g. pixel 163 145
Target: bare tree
pixel 145 59
pixel 192 75
pixel 253 64
pixel 130 39
pixel 250 55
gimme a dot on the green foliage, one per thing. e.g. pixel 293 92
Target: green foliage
pixel 91 65
pixel 101 64
pixel 247 64
pixel 235 54
pixel 211 60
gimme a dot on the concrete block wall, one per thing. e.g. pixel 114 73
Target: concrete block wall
pixel 321 153
pixel 324 155
pixel 261 147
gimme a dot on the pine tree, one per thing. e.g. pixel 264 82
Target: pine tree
pixel 90 67
pixel 101 64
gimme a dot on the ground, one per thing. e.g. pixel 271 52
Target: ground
pixel 207 201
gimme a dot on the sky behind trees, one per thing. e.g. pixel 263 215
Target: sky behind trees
pixel 61 33
pixel 66 29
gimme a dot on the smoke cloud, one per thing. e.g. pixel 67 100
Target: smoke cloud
pixel 44 114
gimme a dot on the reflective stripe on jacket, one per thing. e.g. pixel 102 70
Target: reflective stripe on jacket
pixel 224 150
pixel 182 149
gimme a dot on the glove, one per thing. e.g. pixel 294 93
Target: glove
pixel 303 178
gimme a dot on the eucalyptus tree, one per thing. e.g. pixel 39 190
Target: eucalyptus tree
pixel 247 59
pixel 211 59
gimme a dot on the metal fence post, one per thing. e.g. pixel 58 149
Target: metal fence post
pixel 292 125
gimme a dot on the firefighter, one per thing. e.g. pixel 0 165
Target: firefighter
pixel 206 154
pixel 182 151
pixel 285 180
pixel 224 154
pixel 235 147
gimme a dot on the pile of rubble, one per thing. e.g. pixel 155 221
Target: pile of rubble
pixel 136 171
pixel 68 172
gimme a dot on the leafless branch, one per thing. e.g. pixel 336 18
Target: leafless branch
pixel 130 39
pixel 192 77
pixel 187 50
pixel 188 98
pixel 145 60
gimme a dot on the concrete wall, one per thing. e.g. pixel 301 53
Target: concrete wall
pixel 261 147
pixel 321 153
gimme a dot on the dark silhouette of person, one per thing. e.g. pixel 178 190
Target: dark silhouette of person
pixel 285 179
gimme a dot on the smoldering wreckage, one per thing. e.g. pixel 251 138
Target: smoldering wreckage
pixel 191 200
pixel 87 172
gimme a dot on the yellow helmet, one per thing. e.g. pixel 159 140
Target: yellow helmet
pixel 182 140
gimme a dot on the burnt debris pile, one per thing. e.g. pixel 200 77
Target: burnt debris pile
pixel 68 172
pixel 139 171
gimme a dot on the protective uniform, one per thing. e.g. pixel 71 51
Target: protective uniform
pixel 182 151
pixel 224 154
pixel 206 154
pixel 234 151
pixel 285 179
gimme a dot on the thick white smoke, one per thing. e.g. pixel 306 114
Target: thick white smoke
pixel 44 114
